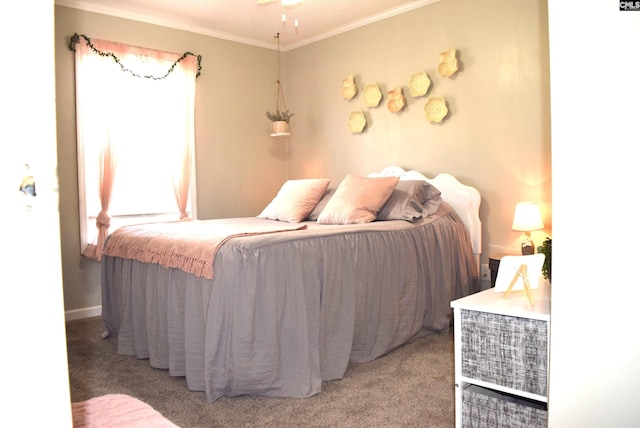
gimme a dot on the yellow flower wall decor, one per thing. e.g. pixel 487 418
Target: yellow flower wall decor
pixel 448 63
pixel 357 122
pixel 419 84
pixel 396 100
pixel 436 109
pixel 349 88
pixel 372 95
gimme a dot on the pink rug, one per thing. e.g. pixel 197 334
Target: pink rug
pixel 117 410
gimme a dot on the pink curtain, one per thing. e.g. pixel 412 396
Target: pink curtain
pixel 108 162
pixel 182 182
pixel 182 176
pixel 99 105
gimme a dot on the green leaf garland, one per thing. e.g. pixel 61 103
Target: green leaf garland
pixel 76 39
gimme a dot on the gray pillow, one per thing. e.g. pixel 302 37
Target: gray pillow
pixel 320 206
pixel 411 200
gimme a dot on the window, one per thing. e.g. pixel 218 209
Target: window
pixel 135 119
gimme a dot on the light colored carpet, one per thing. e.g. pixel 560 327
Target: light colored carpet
pixel 412 386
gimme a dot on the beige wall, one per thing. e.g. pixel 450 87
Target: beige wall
pixel 238 166
pixel 496 137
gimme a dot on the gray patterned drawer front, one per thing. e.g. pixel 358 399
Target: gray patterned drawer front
pixel 485 408
pixel 504 350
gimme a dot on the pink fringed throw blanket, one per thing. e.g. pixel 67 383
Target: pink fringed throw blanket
pixel 189 245
pixel 117 411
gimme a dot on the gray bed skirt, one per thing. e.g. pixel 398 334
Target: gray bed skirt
pixel 290 310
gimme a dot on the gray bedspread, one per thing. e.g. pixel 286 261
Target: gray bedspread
pixel 287 311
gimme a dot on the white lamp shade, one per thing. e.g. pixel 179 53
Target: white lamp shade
pixel 527 217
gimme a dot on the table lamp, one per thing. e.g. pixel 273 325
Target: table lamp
pixel 527 218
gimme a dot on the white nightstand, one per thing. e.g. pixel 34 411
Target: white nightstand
pixel 502 359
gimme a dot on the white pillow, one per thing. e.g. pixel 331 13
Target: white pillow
pixel 295 200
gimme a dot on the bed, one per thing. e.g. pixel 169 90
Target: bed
pixel 285 310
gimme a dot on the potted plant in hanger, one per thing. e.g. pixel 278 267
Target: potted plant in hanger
pixel 280 118
pixel 280 121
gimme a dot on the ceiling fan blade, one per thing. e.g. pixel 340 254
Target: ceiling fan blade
pixel 284 2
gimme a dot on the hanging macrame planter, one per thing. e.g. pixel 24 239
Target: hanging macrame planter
pixel 281 129
pixel 280 118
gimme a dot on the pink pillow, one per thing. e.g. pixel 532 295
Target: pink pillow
pixel 357 200
pixel 295 200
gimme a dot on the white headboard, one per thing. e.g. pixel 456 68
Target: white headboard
pixel 465 200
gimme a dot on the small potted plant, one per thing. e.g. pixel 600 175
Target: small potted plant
pixel 280 121
pixel 545 249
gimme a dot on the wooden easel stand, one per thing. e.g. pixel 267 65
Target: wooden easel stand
pixel 526 285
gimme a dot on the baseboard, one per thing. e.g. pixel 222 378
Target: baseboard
pixel 77 314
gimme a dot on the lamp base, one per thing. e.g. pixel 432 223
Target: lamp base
pixel 527 248
pixel 526 245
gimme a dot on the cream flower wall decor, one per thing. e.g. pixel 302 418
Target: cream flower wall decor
pixel 448 63
pixel 357 122
pixel 436 109
pixel 349 88
pixel 396 101
pixel 419 84
pixel 372 95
